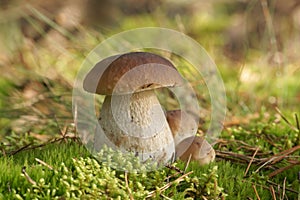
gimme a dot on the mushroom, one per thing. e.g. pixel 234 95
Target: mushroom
pixel 181 124
pixel 184 128
pixel 198 149
pixel 131 116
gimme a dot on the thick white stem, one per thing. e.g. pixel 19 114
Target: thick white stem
pixel 137 123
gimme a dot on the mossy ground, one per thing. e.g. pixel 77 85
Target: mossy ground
pixel 36 82
pixel 229 175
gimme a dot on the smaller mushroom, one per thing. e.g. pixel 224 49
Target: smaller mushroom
pixel 182 125
pixel 184 128
pixel 198 148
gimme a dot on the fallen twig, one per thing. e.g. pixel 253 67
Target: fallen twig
pixel 28 178
pixel 30 147
pixel 175 168
pixel 298 127
pixel 20 149
pixel 178 171
pixel 44 163
pixel 272 192
pixel 297 122
pixel 187 163
pixel 243 158
pixel 264 164
pixel 248 167
pixel 283 188
pixel 282 155
pixel 163 188
pixel 278 171
pixel 261 162
pixel 165 197
pixel 255 191
pixel 287 189
pixel 285 119
pixel 127 186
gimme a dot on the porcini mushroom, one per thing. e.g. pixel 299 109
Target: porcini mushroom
pixel 184 128
pixel 197 148
pixel 181 124
pixel 131 116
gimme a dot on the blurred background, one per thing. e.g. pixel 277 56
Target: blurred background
pixel 254 43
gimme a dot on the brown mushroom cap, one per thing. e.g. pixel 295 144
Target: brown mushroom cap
pixel 147 71
pixel 198 148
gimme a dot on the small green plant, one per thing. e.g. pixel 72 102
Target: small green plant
pixel 205 185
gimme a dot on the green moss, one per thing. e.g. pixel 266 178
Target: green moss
pixel 76 175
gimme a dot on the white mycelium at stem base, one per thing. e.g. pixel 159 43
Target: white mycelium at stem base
pixel 137 123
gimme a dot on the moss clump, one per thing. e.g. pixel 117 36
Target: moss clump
pixel 86 178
